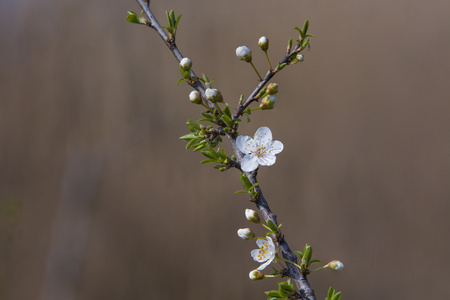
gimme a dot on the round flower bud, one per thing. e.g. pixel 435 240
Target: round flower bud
pixel 263 43
pixel 245 234
pixel 268 102
pixel 186 64
pixel 300 57
pixel 252 216
pixel 335 265
pixel 195 98
pixel 272 88
pixel 213 95
pixel 256 275
pixel 243 53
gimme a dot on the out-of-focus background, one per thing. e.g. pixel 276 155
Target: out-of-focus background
pixel 99 199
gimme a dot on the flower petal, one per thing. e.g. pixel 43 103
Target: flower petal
pixel 245 144
pixel 276 147
pixel 264 265
pixel 263 136
pixel 249 163
pixel 267 160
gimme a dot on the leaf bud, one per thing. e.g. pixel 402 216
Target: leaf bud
pixel 213 95
pixel 245 234
pixel 268 102
pixel 243 53
pixel 256 275
pixel 186 64
pixel 195 98
pixel 263 43
pixel 252 216
pixel 335 265
pixel 272 88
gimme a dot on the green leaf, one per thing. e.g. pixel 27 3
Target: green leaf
pixel 179 81
pixel 305 26
pixel 227 111
pixel 245 182
pixel 307 255
pixel 187 137
pixel 272 293
pixel 300 254
pixel 192 143
pixel 315 261
pixel 281 66
pixel 177 20
pixel 331 292
pixel 337 296
pixel 272 225
pixel 134 18
pixel 227 120
pixel 194 124
pixel 208 161
pixel 172 19
pixel 299 30
pixel 241 192
pixel 207 116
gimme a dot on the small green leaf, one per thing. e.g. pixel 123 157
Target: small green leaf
pixel 315 261
pixel 241 192
pixel 281 66
pixel 227 111
pixel 227 120
pixel 194 124
pixel 299 30
pixel 208 161
pixel 180 81
pixel 245 182
pixel 305 27
pixel 187 137
pixel 272 293
pixel 300 254
pixel 134 18
pixel 331 292
pixel 337 296
pixel 272 225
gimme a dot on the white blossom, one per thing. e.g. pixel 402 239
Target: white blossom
pixel 336 265
pixel 194 97
pixel 259 150
pixel 245 234
pixel 252 215
pixel 243 53
pixel 186 64
pixel 265 254
pixel 263 43
pixel 256 275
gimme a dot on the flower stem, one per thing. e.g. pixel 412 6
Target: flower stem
pixel 268 60
pixel 320 268
pixel 260 78
pixel 288 261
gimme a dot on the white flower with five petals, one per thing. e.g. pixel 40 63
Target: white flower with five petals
pixel 265 254
pixel 259 150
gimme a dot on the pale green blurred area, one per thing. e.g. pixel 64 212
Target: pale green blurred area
pixel 99 200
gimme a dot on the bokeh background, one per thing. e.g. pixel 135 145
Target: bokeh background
pixel 99 200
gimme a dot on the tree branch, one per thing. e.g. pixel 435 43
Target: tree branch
pixel 300 281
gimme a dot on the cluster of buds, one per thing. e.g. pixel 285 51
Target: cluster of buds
pixel 268 101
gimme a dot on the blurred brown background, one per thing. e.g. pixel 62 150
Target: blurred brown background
pixel 99 199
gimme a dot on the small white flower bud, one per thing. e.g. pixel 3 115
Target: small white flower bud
pixel 263 43
pixel 243 53
pixel 335 265
pixel 272 88
pixel 252 216
pixel 245 234
pixel 256 275
pixel 213 95
pixel 195 98
pixel 186 64
pixel 268 102
pixel 300 57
